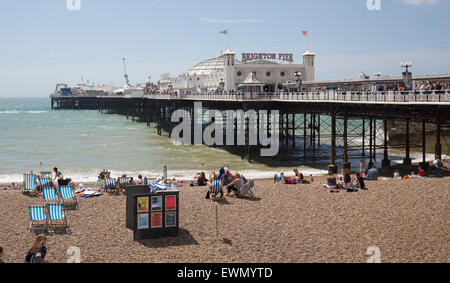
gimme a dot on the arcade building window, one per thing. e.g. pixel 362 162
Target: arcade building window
pixel 268 74
pixel 282 74
pixel 239 73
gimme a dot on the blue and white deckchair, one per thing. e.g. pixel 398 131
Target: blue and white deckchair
pixel 215 188
pixel 46 182
pixel 49 194
pixel 38 219
pixel 57 216
pixel 68 196
pixel 46 175
pixel 160 186
pixel 123 181
pixel 110 184
pixel 29 183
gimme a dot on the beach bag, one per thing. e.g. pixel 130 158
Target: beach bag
pixel 291 181
pixel 36 258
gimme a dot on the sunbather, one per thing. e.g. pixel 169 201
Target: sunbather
pixel 38 251
pixel 331 183
pixel 235 185
pixel 360 181
pixel 300 178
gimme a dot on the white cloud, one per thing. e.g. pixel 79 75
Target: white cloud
pixel 420 2
pixel 225 21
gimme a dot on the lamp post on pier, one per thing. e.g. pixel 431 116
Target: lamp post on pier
pixel 407 76
pixel 299 80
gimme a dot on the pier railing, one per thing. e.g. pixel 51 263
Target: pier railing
pixel 327 96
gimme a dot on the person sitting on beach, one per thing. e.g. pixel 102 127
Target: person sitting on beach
pixel 200 180
pixel 38 251
pixel 214 178
pixel 331 183
pixel 300 178
pixel 236 184
pixel 139 181
pixel 397 175
pixel 348 182
pixel 372 174
pixel 421 173
pixel 311 178
pixel 227 177
pixel 360 184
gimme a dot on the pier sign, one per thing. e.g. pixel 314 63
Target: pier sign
pixel 246 57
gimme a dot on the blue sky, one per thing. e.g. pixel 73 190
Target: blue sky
pixel 44 43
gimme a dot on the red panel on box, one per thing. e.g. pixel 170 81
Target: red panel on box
pixel 156 220
pixel 171 202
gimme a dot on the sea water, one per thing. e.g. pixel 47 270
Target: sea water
pixel 81 143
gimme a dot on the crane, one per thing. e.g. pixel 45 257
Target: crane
pixel 125 71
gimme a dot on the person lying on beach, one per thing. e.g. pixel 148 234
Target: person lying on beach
pixel 38 251
pixel 331 183
pixel 412 176
pixel 397 175
pixel 236 184
pixel 278 179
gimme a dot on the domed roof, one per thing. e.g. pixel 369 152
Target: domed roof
pixel 208 67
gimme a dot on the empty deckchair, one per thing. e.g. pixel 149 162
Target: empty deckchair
pixel 68 196
pixel 110 184
pixel 29 184
pixel 38 219
pixel 57 217
pixel 46 182
pixel 49 194
pixel 215 188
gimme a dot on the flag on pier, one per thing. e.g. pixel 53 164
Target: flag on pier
pixel 224 31
pixel 305 33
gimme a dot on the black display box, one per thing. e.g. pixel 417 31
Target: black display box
pixel 150 214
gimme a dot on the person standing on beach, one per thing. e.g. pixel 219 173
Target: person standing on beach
pixel 38 251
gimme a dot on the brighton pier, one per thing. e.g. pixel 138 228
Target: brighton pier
pixel 343 123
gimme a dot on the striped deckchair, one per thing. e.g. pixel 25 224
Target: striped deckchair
pixel 38 219
pixel 49 194
pixel 123 181
pixel 215 189
pixel 68 196
pixel 57 216
pixel 29 184
pixel 110 184
pixel 46 182
pixel 246 190
pixel 46 175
